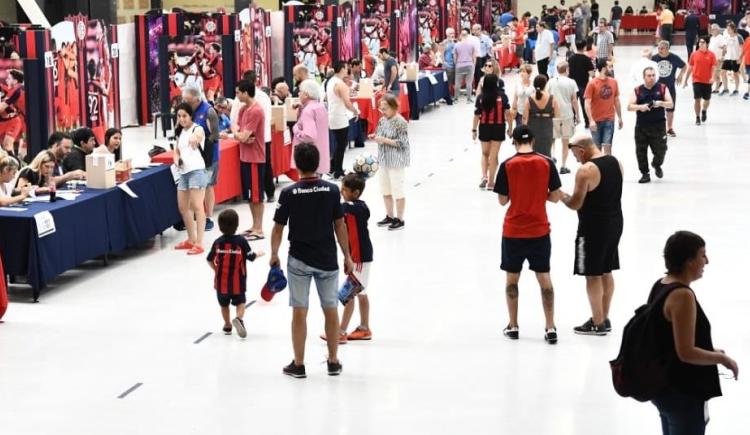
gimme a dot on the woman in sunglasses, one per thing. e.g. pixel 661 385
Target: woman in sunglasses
pixel 490 115
pixel 490 67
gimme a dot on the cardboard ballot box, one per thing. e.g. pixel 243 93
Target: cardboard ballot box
pixel 100 171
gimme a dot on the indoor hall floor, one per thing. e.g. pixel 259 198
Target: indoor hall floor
pixel 438 363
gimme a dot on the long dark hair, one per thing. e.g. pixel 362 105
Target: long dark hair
pixel 540 82
pixel 490 92
pixel 188 109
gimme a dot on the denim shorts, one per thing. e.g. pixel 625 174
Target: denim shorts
pixel 299 276
pixel 213 174
pixel 197 179
pixel 605 131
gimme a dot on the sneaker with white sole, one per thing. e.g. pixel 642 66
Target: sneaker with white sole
pixel 588 328
pixel 239 325
pixel 511 332
pixel 334 368
pixel 550 335
pixel 295 371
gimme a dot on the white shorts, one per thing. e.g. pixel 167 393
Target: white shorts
pixel 563 128
pixel 362 272
pixel 392 181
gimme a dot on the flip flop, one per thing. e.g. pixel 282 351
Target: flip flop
pixel 254 237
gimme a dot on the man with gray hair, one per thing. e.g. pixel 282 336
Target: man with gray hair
pixel 667 65
pixel 205 116
pixel 565 92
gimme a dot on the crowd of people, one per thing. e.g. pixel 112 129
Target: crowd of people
pixel 564 63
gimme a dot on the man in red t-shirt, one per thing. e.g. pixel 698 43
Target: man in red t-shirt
pixel 701 66
pixel 602 103
pixel 251 135
pixel 527 180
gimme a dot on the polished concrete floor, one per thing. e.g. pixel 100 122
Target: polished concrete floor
pixel 438 363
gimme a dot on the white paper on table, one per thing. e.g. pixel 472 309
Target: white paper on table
pixel 416 84
pixel 153 165
pixel 13 208
pixel 432 79
pixel 45 224
pixel 38 199
pixel 125 188
pixel 68 196
pixel 445 76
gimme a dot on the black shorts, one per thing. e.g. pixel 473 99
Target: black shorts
pixel 702 91
pixel 596 252
pixel 730 65
pixel 491 132
pixel 251 175
pixel 225 300
pixel 537 251
pixel 673 94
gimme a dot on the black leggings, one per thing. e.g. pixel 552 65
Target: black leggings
pixel 341 137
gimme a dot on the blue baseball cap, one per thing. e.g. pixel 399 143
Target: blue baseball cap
pixel 275 283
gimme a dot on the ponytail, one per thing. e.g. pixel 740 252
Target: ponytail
pixel 540 82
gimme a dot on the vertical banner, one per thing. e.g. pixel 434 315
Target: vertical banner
pixel 66 77
pixel 348 24
pixel 310 38
pixel 453 13
pixel 115 119
pixel 13 98
pixel 79 26
pixel 98 66
pixel 148 29
pixel 406 23
pixel 260 45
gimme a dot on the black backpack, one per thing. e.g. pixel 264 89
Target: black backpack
pixel 641 370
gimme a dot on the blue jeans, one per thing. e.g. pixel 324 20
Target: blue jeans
pixel 681 414
pixel 605 131
pixel 300 275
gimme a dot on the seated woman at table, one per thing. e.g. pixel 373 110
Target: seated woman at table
pixel 426 60
pixel 8 169
pixel 312 123
pixel 629 10
pixel 38 175
pixel 191 189
pixel 112 143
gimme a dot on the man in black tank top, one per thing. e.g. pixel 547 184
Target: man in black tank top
pixel 648 101
pixel 596 197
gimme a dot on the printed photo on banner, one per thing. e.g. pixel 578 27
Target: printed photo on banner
pixel 349 31
pixel 471 13
pixel 155 25
pixel 12 101
pixel 65 74
pixel 407 31
pixel 255 44
pixel 430 12
pixel 99 107
pixel 195 60
pixel 376 24
pixel 312 39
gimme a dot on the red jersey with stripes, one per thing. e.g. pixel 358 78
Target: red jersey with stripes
pixel 527 179
pixel 494 116
pixel 356 215
pixel 229 254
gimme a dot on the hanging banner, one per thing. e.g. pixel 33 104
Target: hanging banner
pixel 349 25
pixel 406 19
pixel 311 38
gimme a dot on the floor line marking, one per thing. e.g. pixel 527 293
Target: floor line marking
pixel 250 303
pixel 129 390
pixel 430 174
pixel 202 337
pixel 417 185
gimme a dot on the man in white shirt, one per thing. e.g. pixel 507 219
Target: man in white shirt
pixel 545 45
pixel 565 92
pixel 640 65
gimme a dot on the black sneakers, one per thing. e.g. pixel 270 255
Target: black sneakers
pixel 550 335
pixel 239 325
pixel 483 184
pixel 295 371
pixel 645 178
pixel 697 120
pixel 671 133
pixel 704 116
pixel 334 368
pixel 511 332
pixel 227 330
pixel 564 170
pixel 658 171
pixel 589 328
pixel 385 222
pixel 607 325
pixel 396 224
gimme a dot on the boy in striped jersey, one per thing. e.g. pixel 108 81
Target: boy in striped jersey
pixel 227 259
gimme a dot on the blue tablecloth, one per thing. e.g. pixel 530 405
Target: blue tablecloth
pixel 98 222
pixel 423 93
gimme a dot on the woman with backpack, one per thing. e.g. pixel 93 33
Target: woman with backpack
pixel 684 333
pixel 191 188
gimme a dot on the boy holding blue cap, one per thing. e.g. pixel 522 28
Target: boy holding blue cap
pixel 227 258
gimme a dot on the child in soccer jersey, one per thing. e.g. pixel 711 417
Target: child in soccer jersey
pixel 356 215
pixel 227 258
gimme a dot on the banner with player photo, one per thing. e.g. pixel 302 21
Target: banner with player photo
pixel 349 25
pixel 406 19
pixel 255 45
pixel 376 17
pixel 311 38
pixel 471 13
pixel 432 20
pixel 148 29
pixel 66 77
pixel 12 103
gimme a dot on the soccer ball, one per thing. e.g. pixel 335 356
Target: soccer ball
pixel 366 164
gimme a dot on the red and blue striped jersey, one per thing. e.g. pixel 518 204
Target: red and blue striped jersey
pixel 228 254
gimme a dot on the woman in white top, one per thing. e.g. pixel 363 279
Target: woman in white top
pixel 716 46
pixel 8 169
pixel 524 89
pixel 732 49
pixel 339 109
pixel 191 189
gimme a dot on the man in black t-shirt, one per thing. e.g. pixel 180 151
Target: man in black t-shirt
pixel 616 18
pixel 84 143
pixel 313 211
pixel 668 64
pixel 581 70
